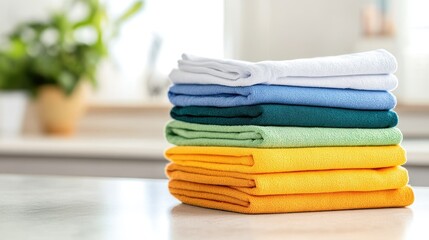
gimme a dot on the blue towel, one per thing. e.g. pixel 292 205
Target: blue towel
pixel 223 96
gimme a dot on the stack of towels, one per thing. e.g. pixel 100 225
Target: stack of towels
pixel 287 136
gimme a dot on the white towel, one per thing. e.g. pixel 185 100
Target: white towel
pixel 371 70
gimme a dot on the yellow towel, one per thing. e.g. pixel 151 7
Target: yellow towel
pixel 225 198
pixel 263 160
pixel 353 180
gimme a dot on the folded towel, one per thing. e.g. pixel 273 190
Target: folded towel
pixel 264 160
pixel 221 96
pixel 188 134
pixel 345 180
pixel 229 199
pixel 367 71
pixel 381 82
pixel 286 115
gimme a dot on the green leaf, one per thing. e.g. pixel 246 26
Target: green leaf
pixel 93 6
pixel 68 82
pixel 131 11
pixel 17 48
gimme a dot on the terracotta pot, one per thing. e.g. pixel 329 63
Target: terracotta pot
pixel 59 114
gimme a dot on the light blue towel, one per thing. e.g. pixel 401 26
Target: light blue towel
pixel 223 96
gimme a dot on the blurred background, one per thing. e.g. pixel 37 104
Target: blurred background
pixel 107 64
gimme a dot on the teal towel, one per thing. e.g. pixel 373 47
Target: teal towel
pixel 192 134
pixel 286 115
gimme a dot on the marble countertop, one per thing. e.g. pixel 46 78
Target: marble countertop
pixel 48 207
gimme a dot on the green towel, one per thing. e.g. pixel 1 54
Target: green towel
pixel 286 115
pixel 192 134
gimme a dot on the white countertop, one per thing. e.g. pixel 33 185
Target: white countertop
pixel 104 208
pixel 84 147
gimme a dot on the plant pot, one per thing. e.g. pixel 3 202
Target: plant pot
pixel 13 105
pixel 59 114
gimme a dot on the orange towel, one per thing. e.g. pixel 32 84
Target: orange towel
pixel 269 160
pixel 225 198
pixel 353 180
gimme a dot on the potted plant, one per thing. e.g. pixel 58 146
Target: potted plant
pixel 60 56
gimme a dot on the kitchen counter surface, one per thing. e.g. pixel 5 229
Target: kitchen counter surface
pixel 48 207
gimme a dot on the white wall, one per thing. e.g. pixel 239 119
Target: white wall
pixel 284 29
pixel 13 12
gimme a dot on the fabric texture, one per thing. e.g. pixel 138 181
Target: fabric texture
pixel 366 70
pixel 222 96
pixel 286 115
pixel 230 199
pixel 272 160
pixel 188 134
pixel 344 180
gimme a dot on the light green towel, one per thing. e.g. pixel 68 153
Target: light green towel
pixel 191 134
